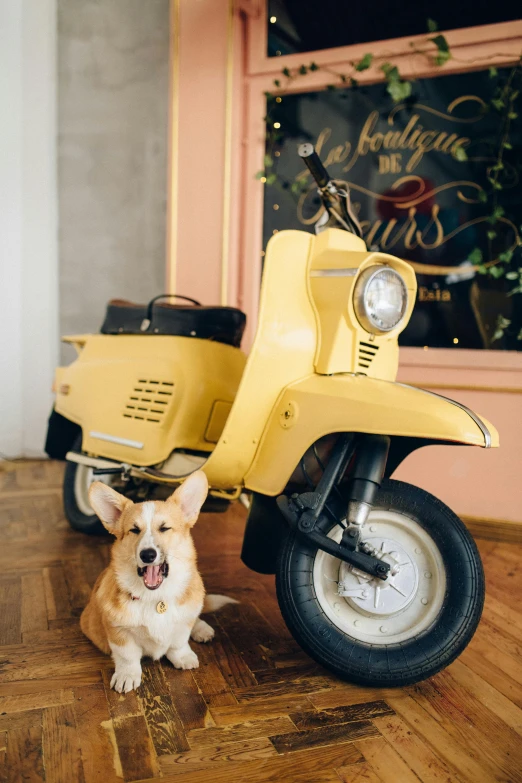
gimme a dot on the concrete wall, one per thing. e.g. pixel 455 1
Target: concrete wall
pixel 113 61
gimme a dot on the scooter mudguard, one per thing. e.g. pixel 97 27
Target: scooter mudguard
pixel 319 405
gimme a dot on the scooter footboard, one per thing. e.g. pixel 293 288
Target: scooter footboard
pixel 319 405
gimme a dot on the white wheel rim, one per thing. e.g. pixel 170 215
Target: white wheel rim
pixel 82 481
pixel 376 612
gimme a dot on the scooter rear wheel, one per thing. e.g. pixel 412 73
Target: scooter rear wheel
pixel 386 633
pixel 76 482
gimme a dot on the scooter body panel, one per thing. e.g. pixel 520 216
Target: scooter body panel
pixel 320 405
pixel 137 398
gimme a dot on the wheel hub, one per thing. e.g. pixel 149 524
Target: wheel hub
pixel 375 597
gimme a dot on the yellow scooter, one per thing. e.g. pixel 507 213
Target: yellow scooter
pixel 376 579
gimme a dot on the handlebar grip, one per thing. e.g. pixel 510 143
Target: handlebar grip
pixel 314 163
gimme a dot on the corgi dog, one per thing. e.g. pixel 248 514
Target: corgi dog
pixel 147 602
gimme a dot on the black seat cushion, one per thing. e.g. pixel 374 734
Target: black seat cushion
pixel 221 324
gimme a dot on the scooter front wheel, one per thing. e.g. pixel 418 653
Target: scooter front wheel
pixel 395 632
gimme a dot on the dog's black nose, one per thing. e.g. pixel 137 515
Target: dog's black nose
pixel 148 555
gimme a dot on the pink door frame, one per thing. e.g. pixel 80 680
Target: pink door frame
pixel 220 73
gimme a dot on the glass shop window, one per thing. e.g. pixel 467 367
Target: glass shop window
pixel 308 25
pixel 416 194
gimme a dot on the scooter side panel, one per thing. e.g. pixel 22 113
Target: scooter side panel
pixel 320 405
pixel 137 397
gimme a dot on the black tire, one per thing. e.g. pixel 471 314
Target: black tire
pixel 84 523
pixel 405 662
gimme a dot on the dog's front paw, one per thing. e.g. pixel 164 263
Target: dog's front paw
pixel 184 660
pixel 202 632
pixel 126 680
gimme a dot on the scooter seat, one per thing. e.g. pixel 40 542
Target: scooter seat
pixel 221 324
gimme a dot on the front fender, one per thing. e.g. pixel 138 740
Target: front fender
pixel 320 405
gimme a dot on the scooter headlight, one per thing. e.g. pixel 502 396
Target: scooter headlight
pixel 380 299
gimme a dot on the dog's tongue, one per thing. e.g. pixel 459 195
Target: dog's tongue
pixel 152 575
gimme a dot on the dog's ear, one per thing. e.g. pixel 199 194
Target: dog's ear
pixel 108 505
pixel 190 496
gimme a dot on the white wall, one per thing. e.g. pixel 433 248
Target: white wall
pixel 28 223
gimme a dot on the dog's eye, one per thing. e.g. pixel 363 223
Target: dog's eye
pixel 164 529
pixel 135 530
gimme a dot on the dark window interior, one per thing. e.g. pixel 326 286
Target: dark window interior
pixel 308 25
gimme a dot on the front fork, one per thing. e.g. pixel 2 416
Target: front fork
pixel 304 511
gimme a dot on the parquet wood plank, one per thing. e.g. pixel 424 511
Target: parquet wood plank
pixel 34 701
pixel 190 705
pixel 259 709
pixel 3 749
pixel 165 727
pixel 20 720
pixel 366 711
pixel 23 756
pixel 415 753
pixel 137 756
pixel 10 600
pixel 435 736
pixel 315 765
pixel 19 687
pixel 324 735
pixel 301 685
pixel 201 738
pixel 34 610
pixel 386 762
pixel 206 758
pixel 61 745
pixel 358 773
pixel 99 752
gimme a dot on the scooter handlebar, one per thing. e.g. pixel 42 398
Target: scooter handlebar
pixel 314 163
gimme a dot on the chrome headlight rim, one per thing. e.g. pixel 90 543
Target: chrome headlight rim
pixel 359 298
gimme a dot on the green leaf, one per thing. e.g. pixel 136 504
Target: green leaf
pixel 277 83
pixel 364 63
pixel 475 256
pixel 483 197
pixel 441 43
pixel 512 115
pixel 442 57
pixel 268 161
pixel 331 87
pixel 519 335
pixel 498 335
pixel 260 174
pixel 286 72
pixel 507 145
pixel 498 104
pixel 303 70
pixel 496 214
pixel 493 72
pixel 492 234
pixel 390 71
pixel 354 82
pixel 506 257
pixel 496 271
pixel 459 153
pixel 432 26
pixel 512 275
pixel 271 178
pixel 399 90
pixel 314 67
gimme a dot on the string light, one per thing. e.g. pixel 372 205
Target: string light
pixel 278 99
pixel 273 19
pixel 275 231
pixel 263 179
pixel 456 340
pixel 277 124
pixel 276 207
pixel 277 154
pixel 425 347
pixel 278 53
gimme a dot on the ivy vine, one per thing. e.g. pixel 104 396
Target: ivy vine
pixel 500 261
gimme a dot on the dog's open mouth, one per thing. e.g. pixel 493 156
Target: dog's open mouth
pixel 153 575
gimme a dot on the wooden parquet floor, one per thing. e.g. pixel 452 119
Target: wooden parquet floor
pixel 257 709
